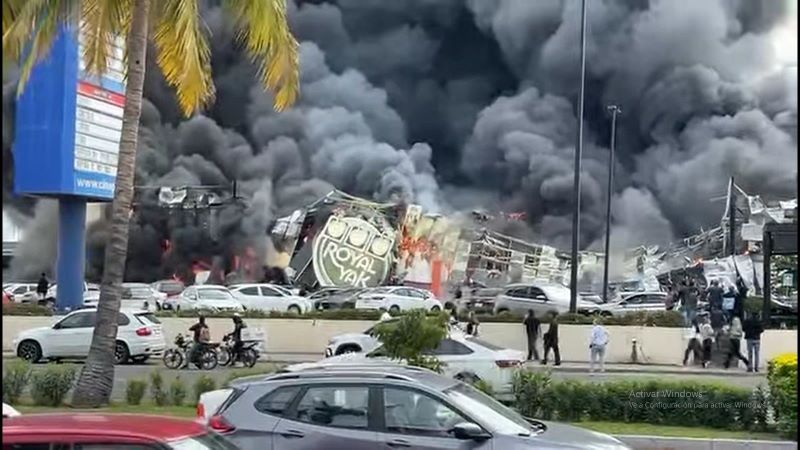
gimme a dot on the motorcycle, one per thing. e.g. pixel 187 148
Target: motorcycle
pixel 249 354
pixel 178 357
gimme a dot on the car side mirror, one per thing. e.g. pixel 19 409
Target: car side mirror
pixel 469 431
pixel 57 326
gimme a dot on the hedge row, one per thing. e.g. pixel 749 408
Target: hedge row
pixel 683 403
pixel 782 378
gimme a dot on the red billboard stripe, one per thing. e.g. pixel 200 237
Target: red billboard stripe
pixel 101 94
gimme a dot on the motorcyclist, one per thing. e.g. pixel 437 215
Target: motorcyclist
pixel 201 336
pixel 236 336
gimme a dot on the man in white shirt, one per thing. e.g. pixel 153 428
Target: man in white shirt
pixel 597 345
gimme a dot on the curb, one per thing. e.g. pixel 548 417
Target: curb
pixel 675 443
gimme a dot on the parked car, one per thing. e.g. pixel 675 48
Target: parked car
pixel 355 342
pixel 335 298
pixel 208 297
pixel 374 407
pixel 476 299
pixel 91 294
pixel 8 411
pixel 108 431
pixel 635 302
pixel 542 298
pixel 269 297
pixel 139 336
pixel 465 358
pixel 171 288
pixel 136 294
pixel 397 298
pixel 21 292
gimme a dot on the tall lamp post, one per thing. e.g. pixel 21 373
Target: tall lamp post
pixel 576 190
pixel 615 110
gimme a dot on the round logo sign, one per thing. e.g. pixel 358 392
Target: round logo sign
pixel 350 251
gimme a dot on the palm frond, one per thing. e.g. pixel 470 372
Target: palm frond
pixel 183 53
pixel 264 30
pixel 34 29
pixel 102 21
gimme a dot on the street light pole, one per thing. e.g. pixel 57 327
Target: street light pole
pixel 614 111
pixel 576 190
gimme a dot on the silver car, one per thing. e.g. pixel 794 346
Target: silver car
pixel 542 298
pixel 383 406
pixel 635 302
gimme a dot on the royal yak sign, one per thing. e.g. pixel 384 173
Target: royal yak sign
pixel 350 251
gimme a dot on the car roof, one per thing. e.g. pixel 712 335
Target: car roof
pixel 122 425
pixel 135 285
pixel 379 370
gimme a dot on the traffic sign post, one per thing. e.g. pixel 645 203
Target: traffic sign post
pixel 66 146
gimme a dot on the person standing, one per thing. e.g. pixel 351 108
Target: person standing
pixel 200 337
pixel 472 324
pixel 550 340
pixel 597 345
pixel 42 286
pixel 532 329
pixel 735 336
pixel 715 295
pixel 690 303
pixel 752 335
pixel 236 336
pixel 729 303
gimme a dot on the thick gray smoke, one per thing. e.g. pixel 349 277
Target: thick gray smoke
pixel 463 104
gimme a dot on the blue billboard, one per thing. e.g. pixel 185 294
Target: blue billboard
pixel 68 125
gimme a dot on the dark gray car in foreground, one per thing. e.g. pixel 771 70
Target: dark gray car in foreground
pixel 384 407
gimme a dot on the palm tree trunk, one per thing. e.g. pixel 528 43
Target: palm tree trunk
pixel 97 377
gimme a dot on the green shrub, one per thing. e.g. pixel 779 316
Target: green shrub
pixel 409 338
pixel 782 380
pixel 134 391
pixel 157 390
pixel 202 385
pixel 50 385
pixel 26 309
pixel 177 391
pixel 16 376
pixel 485 387
pixel 684 403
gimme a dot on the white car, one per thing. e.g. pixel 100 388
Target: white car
pixel 139 336
pixel 397 298
pixel 208 297
pixel 465 358
pixel 270 297
pixel 542 298
pixel 91 294
pixel 354 342
pixel 8 411
pixel 136 295
pixel 635 302
pixel 22 292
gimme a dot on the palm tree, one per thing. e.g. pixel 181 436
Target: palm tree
pixel 29 29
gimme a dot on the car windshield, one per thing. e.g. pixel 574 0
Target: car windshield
pixel 170 287
pixel 140 292
pixel 150 317
pixel 483 343
pixel 210 441
pixel 213 294
pixel 282 290
pixel 488 411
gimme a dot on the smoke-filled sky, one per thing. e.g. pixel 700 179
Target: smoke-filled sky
pixel 463 104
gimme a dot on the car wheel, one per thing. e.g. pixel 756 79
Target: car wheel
pixel 294 309
pixel 449 305
pixel 348 349
pixel 502 311
pixel 467 377
pixel 436 308
pixel 121 353
pixel 394 309
pixel 30 351
pixel 140 359
pixel 605 314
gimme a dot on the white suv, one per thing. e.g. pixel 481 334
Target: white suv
pixel 397 298
pixel 139 336
pixel 542 298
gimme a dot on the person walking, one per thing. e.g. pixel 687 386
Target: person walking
pixel 550 340
pixel 735 334
pixel 729 303
pixel 472 324
pixel 693 347
pixel 707 335
pixel 597 346
pixel 42 287
pixel 714 295
pixel 532 329
pixel 753 328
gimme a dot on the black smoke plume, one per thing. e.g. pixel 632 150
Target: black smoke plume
pixel 465 104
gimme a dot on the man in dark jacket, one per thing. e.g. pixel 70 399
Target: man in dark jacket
pixel 532 328
pixel 753 328
pixel 42 286
pixel 200 334
pixel 551 340
pixel 715 295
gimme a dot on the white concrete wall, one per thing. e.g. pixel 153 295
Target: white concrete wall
pixel 658 345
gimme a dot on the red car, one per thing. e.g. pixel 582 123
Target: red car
pixel 108 432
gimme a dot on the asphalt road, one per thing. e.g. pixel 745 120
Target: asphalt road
pixel 124 373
